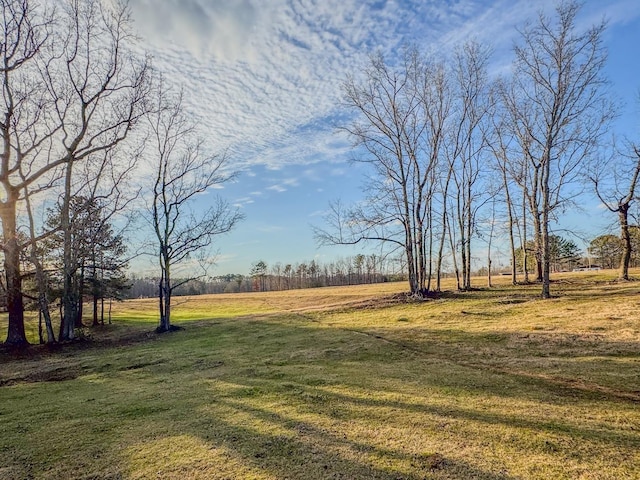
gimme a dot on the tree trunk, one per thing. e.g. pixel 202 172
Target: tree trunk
pixel 512 244
pixel 539 246
pixel 546 293
pixel 95 309
pixel 80 299
pixel 411 268
pixel 40 276
pixel 43 303
pixel 623 212
pixel 16 333
pixel 69 311
pixel 453 255
pixel 430 256
pixel 164 296
pixel 493 218
pixel 546 247
pixel 40 336
pixel 525 263
pixel 469 230
pixel 94 288
pixel 163 320
pixel 444 231
pixel 43 300
pixel 463 250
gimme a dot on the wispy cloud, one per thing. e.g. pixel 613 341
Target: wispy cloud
pixel 263 78
pixel 242 202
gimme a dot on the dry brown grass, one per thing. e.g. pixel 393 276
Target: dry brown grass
pixel 351 383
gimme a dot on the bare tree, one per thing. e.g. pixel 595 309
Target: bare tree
pixel 615 182
pixel 25 31
pixel 100 94
pixel 445 182
pixel 71 89
pixel 468 145
pixel 182 171
pixel 559 111
pixel 499 144
pixel 41 276
pixel 399 129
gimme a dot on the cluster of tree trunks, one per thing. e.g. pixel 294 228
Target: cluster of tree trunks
pixel 79 108
pixel 444 142
pixel 72 92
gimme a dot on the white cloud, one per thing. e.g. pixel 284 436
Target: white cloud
pixel 204 28
pixel 291 182
pixel 317 213
pixel 263 78
pixel 241 202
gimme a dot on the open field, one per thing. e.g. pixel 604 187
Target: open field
pixel 340 383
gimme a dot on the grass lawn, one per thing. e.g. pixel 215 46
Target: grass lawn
pixel 340 383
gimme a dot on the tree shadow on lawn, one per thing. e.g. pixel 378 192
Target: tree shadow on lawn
pixel 320 453
pixel 267 369
pixel 328 448
pixel 266 441
pixel 563 359
pixel 354 403
pixel 272 377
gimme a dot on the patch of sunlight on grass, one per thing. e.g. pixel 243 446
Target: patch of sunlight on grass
pixel 186 457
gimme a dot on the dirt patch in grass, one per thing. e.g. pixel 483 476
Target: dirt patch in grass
pixel 53 363
pixel 57 374
pixel 102 339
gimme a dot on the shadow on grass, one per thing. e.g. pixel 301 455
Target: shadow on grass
pixel 282 419
pixel 319 452
pixel 329 451
pixel 356 403
pixel 571 289
pixel 556 365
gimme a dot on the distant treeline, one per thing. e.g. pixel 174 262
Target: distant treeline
pixel 604 251
pixel 356 270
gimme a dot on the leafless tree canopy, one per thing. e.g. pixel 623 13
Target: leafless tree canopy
pixel 71 90
pixel 402 114
pixel 74 94
pixel 431 130
pixel 182 172
pixel 559 111
pixel 615 182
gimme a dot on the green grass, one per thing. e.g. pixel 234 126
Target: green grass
pixel 348 383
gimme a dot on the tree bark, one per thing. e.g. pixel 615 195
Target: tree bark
pixel 69 311
pixel 165 294
pixel 525 255
pixel 546 247
pixel 16 334
pixel 623 217
pixel 444 230
pixel 80 299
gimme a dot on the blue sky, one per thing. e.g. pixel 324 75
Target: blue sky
pixel 263 80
